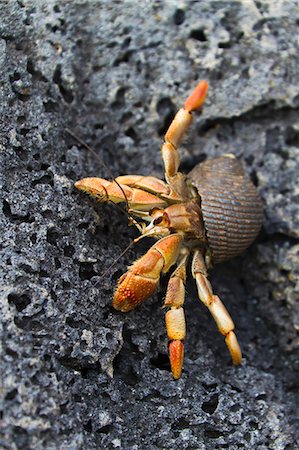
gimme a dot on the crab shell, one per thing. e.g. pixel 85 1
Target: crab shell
pixel 231 208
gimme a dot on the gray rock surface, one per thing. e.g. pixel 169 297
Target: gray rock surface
pixel 76 374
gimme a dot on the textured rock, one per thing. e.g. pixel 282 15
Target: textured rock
pixel 77 374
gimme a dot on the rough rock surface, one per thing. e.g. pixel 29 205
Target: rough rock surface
pixel 76 374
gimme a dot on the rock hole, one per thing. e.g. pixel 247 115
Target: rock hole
pixel 198 35
pixel 35 73
pixel 131 133
pixel 126 42
pixel 210 386
pixel 291 137
pixel 11 352
pixel 63 408
pixel 86 271
pixel 6 209
pixel 235 408
pixel 98 126
pixel 52 236
pixel 254 425
pixel 161 361
pixel 117 274
pixel 50 106
pixel 44 166
pixel 212 433
pixel 180 424
pixel 210 405
pixel 27 324
pixel 11 394
pixel 125 372
pixel 119 98
pixel 33 238
pixel 53 295
pixel 21 120
pixel 73 323
pixel 20 301
pixel 254 178
pixel 57 263
pixel 123 58
pixel 66 93
pixel 21 437
pixel 24 131
pixel 44 274
pixel 261 397
pixel 106 429
pixel 88 426
pixel 179 17
pixel 15 77
pixel 22 154
pixel 227 44
pixel 69 250
pixel 166 109
pixel 83 225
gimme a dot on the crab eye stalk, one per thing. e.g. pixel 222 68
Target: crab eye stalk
pixel 158 220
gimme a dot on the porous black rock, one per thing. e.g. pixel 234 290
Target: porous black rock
pixel 76 374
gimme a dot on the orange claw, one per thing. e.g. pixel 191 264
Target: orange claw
pixel 105 191
pixel 176 356
pixel 142 278
pixel 197 97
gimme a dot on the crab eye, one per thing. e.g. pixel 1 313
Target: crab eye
pixel 158 220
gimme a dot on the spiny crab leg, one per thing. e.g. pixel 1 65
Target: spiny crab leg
pixel 142 278
pixel 216 307
pixel 175 132
pixel 105 191
pixel 175 317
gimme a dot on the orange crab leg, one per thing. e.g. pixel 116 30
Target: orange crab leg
pixel 142 278
pixel 105 190
pixel 175 317
pixel 149 184
pixel 216 307
pixel 175 132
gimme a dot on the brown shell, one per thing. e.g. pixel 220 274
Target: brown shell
pixel 231 207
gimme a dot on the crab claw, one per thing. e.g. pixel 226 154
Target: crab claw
pixel 142 278
pixel 115 192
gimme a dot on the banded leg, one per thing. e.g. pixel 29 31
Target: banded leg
pixel 142 278
pixel 216 307
pixel 174 134
pixel 175 317
pixel 106 191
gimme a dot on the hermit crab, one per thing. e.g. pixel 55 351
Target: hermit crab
pixel 211 214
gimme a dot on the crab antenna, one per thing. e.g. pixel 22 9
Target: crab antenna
pixel 114 262
pixel 91 150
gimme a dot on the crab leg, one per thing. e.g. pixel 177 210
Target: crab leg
pixel 175 317
pixel 149 184
pixel 105 191
pixel 216 307
pixel 175 132
pixel 142 278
